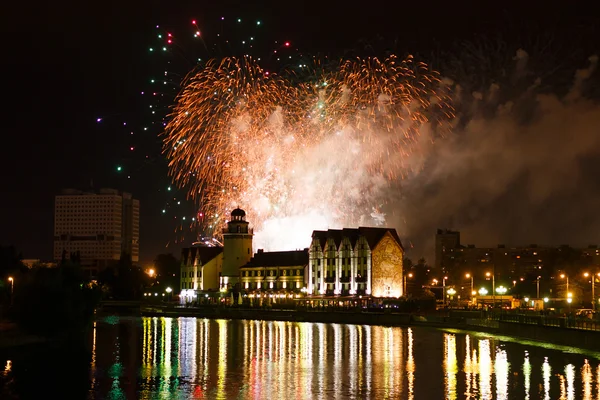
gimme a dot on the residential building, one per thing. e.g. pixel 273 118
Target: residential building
pixel 361 261
pixel 99 226
pixel 512 263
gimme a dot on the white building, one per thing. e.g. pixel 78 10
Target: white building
pixel 99 225
pixel 361 261
pixel 237 248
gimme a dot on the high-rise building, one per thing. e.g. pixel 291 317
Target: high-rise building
pixel 100 226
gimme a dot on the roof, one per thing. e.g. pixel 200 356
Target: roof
pixel 204 254
pixel 238 212
pixel 371 235
pixel 279 259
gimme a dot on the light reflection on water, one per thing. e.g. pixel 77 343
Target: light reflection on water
pixel 199 358
pixel 164 358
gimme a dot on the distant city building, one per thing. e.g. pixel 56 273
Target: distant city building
pixel 362 261
pixel 100 226
pixel 511 262
pixel 276 270
pixel 37 263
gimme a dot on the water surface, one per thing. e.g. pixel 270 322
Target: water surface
pixel 181 358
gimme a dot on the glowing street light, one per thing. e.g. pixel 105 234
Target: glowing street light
pixel 586 274
pixel 168 290
pixel 483 291
pixel 546 299
pixel 12 285
pixel 493 275
pixel 563 276
pixel 151 272
pixel 409 275
pixel 470 276
pixel 501 290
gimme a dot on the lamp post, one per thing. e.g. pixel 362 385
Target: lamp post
pixel 168 290
pixel 444 289
pixel 563 276
pixel 501 291
pixel 593 285
pixel 492 274
pixel 410 275
pixel 470 276
pixel 451 291
pixel 538 287
pixel 12 285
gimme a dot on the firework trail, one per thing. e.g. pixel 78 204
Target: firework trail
pixel 325 152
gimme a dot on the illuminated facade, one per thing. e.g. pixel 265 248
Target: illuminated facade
pixel 237 248
pixel 277 271
pixel 361 261
pixel 100 226
pixel 200 269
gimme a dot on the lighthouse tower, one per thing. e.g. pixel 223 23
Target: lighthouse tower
pixel 237 248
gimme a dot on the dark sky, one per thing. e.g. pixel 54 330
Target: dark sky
pixel 66 63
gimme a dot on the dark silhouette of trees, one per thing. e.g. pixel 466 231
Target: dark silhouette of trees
pixel 167 271
pixel 53 301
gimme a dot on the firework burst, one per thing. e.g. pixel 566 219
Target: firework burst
pixel 325 151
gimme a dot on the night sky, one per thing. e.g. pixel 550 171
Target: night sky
pixel 68 63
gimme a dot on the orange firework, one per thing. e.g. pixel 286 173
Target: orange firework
pixel 328 147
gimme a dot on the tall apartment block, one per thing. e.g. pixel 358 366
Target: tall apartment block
pixel 99 225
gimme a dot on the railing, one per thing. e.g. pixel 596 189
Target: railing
pixel 542 320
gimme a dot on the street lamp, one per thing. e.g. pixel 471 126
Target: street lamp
pixel 150 272
pixel 444 289
pixel 169 290
pixel 451 292
pixel 593 284
pixel 501 290
pixel 410 275
pixel 538 287
pixel 483 291
pixel 12 285
pixel 493 275
pixel 563 276
pixel 470 276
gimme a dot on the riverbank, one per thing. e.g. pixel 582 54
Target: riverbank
pixel 558 331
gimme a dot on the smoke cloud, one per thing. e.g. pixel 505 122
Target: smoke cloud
pixel 517 169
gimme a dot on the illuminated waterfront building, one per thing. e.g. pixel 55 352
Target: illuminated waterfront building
pixel 237 248
pixel 200 269
pixel 356 261
pixel 99 226
pixel 277 270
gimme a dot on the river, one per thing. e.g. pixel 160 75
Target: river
pixel 183 358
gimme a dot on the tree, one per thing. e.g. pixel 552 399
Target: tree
pixel 167 271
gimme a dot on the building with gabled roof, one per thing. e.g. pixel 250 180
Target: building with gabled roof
pixel 356 261
pixel 200 270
